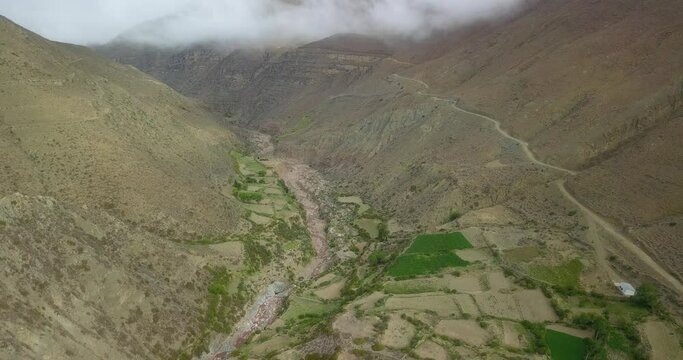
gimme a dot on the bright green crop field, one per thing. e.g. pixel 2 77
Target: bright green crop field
pixel 430 253
pixel 565 347
pixel 430 243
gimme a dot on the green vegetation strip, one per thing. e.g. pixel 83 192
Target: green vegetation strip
pixel 223 311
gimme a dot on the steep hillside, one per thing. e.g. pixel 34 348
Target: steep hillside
pixel 102 166
pixel 82 129
pixel 257 84
pixel 477 194
pixel 593 87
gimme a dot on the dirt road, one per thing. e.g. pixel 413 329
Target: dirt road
pixel 525 145
pixel 594 219
pixel 623 241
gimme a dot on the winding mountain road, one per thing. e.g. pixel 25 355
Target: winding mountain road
pixel 525 145
pixel 593 218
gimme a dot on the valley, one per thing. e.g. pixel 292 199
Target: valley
pixel 508 188
pixel 482 302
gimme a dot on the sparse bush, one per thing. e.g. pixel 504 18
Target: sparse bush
pixel 282 185
pixel 249 196
pixel 646 296
pixel 559 310
pixel 382 231
pixel 377 347
pixel 454 215
pixel 537 342
pixel 378 257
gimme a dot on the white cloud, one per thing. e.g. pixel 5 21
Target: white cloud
pixel 185 21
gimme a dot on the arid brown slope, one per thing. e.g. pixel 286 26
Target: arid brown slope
pixel 80 284
pixel 592 86
pixel 83 129
pixel 112 165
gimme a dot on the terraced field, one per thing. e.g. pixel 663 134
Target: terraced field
pixel 429 254
pixel 262 193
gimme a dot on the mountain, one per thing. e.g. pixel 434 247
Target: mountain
pixel 256 82
pixel 484 193
pixel 105 171
pixel 595 88
pixel 592 88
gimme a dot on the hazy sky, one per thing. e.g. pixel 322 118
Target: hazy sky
pixel 186 21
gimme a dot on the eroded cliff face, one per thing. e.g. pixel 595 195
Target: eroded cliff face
pixel 180 68
pixel 255 83
pixel 299 79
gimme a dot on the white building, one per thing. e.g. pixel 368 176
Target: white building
pixel 626 288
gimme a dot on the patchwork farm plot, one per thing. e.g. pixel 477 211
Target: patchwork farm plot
pixel 429 254
pixel 263 194
pixel 368 223
pixel 450 295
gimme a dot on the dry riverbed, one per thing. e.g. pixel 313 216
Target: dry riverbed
pixel 306 185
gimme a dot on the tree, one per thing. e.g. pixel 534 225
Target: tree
pixel 646 296
pixel 378 257
pixel 382 231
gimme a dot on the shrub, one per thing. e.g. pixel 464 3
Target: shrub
pixel 382 231
pixel 537 342
pixel 454 215
pixel 377 347
pixel 282 185
pixel 378 257
pixel 249 196
pixel 646 296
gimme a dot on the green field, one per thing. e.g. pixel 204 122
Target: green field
pixel 247 165
pixel 429 253
pixel 567 275
pixel 565 347
pixel 301 306
pixel 421 264
pixel 430 243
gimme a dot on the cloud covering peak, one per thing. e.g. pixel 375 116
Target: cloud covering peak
pixel 179 22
